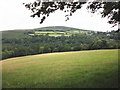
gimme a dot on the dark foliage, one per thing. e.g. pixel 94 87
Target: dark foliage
pixel 37 44
pixel 43 9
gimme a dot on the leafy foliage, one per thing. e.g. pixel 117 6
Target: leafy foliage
pixel 22 44
pixel 43 9
pixel 110 10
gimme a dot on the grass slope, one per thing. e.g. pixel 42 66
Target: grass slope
pixel 80 69
pixel 23 33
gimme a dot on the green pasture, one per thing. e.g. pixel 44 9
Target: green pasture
pixel 37 32
pixel 78 69
pixel 56 33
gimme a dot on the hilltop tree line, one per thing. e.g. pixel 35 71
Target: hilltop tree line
pixel 38 44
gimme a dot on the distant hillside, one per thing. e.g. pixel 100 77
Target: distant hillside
pixel 16 43
pixel 62 28
pixel 24 33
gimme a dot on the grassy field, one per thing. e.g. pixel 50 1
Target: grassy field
pixel 57 33
pixel 79 69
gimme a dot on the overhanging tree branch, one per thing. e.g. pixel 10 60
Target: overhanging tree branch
pixel 44 9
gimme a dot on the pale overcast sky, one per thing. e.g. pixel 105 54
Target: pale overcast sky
pixel 15 16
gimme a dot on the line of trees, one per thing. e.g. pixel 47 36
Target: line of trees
pixel 31 45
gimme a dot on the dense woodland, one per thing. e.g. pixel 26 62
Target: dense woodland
pixel 20 43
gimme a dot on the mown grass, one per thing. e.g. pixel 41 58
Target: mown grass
pixel 80 69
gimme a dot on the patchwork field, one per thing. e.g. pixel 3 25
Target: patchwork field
pixel 79 69
pixel 50 31
pixel 59 31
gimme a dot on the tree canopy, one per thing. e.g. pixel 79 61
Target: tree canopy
pixel 44 9
pixel 18 43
